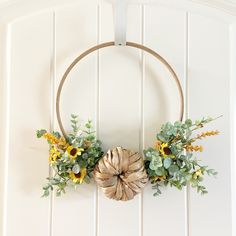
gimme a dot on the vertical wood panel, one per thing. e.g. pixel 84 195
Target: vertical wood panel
pixel 165 33
pixel 31 44
pixel 209 95
pixel 119 115
pixel 233 121
pixel 76 31
pixel 4 121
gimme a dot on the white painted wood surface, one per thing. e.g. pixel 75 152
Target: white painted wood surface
pixel 209 65
pixel 29 105
pixel 128 94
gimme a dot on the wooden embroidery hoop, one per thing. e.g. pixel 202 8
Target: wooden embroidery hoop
pixel 109 44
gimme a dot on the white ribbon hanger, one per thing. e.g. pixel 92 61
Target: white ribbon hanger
pixel 120 21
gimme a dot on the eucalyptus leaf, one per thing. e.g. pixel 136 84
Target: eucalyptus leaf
pixel 179 163
pixel 74 116
pixel 76 169
pixel 160 171
pixel 161 138
pixel 177 124
pixel 155 163
pixel 173 169
pixel 40 133
pixel 188 122
pixel 167 162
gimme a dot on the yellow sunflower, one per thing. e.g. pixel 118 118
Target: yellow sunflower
pixel 165 150
pixel 78 178
pixel 197 174
pixel 54 154
pixel 159 178
pixel 74 152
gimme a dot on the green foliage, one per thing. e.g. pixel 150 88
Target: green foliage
pixel 167 162
pixel 40 133
pixel 72 159
pixel 170 163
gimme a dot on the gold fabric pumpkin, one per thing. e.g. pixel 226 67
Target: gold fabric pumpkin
pixel 121 174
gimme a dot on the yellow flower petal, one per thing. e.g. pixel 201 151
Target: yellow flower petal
pixel 159 178
pixel 54 154
pixel 165 150
pixel 51 138
pixel 197 174
pixel 78 178
pixel 74 152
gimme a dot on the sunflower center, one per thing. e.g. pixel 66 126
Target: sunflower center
pixel 167 150
pixel 73 152
pixel 78 175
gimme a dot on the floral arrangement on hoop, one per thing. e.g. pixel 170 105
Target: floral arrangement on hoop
pixel 79 157
pixel 72 159
pixel 172 161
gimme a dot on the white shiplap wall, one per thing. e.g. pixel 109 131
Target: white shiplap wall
pixel 128 95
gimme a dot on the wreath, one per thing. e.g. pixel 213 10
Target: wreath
pixel 78 157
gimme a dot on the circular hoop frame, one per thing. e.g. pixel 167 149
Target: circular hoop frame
pixel 109 44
